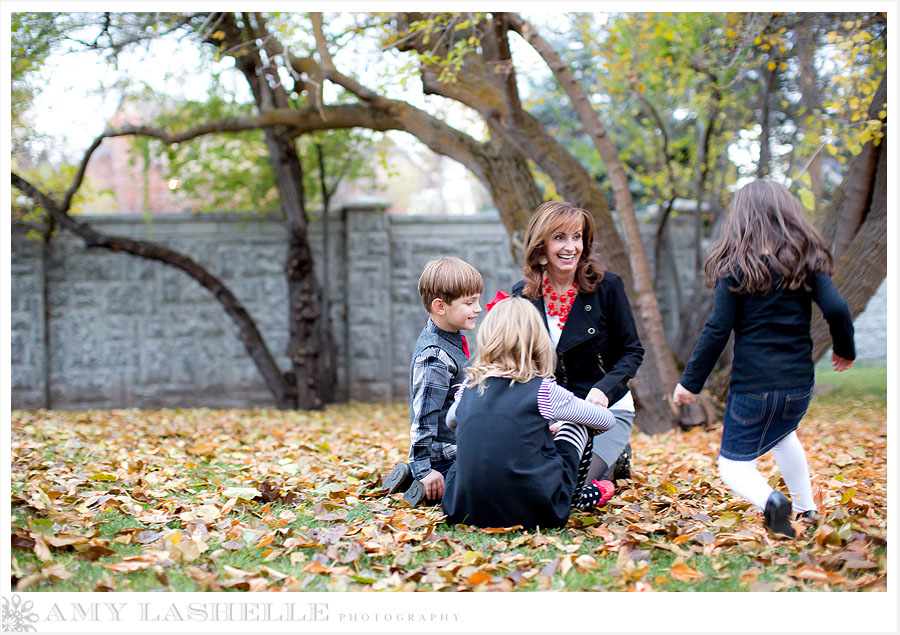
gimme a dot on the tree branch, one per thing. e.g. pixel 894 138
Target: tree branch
pixel 249 334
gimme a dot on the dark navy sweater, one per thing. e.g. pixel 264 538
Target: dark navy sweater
pixel 772 342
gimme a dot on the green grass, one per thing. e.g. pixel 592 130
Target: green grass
pixel 721 572
pixel 866 380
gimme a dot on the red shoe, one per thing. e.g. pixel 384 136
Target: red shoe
pixel 607 489
pixel 596 494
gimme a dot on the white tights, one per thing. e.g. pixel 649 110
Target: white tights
pixel 745 479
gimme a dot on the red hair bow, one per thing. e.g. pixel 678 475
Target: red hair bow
pixel 500 296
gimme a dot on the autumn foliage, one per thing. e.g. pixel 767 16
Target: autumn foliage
pixel 257 500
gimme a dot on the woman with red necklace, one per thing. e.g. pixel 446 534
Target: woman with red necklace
pixel 592 327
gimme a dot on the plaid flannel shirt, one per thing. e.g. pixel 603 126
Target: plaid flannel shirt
pixel 431 374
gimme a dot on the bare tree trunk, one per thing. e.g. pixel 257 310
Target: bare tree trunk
pixel 851 201
pixel 308 339
pixel 647 305
pixel 861 266
pixel 810 94
pixel 762 168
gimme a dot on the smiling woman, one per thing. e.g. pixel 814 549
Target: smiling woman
pixel 591 325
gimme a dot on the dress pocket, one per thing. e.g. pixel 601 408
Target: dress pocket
pixel 747 408
pixel 795 405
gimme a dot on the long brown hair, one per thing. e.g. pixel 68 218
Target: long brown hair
pixel 512 342
pixel 548 218
pixel 766 228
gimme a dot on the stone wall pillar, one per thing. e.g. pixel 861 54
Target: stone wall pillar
pixel 366 330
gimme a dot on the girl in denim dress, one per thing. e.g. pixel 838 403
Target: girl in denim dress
pixel 769 265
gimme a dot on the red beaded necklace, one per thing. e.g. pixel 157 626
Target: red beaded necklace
pixel 559 303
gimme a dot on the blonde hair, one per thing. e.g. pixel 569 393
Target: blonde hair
pixel 512 342
pixel 448 278
pixel 548 219
pixel 766 228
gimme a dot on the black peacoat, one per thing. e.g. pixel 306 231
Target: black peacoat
pixel 599 345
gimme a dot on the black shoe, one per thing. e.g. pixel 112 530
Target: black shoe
pixel 415 494
pixel 809 519
pixel 399 479
pixel 622 466
pixel 778 515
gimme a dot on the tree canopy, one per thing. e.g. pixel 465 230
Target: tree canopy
pixel 612 112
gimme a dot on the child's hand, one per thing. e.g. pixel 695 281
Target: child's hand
pixel 434 485
pixel 682 396
pixel 598 397
pixel 555 426
pixel 839 363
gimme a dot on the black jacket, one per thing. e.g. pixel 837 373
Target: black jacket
pixel 772 343
pixel 508 469
pixel 599 346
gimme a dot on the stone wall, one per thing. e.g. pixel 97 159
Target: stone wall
pixel 121 331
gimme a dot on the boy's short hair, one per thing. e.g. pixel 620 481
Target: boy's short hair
pixel 449 279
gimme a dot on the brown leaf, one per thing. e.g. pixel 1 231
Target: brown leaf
pixel 207 580
pixel 550 569
pixel 95 552
pixel 807 572
pixel 585 561
pixel 684 573
pixel 479 577
pixel 40 548
pixel 500 530
pixel 136 563
pixel 187 550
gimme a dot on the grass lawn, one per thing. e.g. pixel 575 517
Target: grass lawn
pixel 193 500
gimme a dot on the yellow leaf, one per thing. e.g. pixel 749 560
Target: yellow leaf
pixel 471 557
pixel 807 198
pixel 771 66
pixel 848 494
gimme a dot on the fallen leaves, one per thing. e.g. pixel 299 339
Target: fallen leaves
pixel 259 500
pixel 684 573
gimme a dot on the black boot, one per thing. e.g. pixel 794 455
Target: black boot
pixel 622 466
pixel 398 480
pixel 778 515
pixel 415 493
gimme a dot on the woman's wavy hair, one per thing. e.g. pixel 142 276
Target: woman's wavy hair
pixel 547 219
pixel 512 342
pixel 766 231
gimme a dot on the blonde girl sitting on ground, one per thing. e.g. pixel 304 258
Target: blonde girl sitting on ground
pixel 516 463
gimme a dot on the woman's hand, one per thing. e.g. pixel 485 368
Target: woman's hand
pixel 598 397
pixel 839 363
pixel 555 426
pixel 682 396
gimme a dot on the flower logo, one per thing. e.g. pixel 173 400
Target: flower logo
pixel 18 616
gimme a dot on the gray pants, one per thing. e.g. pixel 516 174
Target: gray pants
pixel 608 445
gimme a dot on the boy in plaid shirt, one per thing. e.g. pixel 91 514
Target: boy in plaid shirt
pixel 450 290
